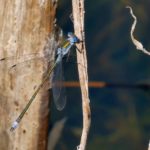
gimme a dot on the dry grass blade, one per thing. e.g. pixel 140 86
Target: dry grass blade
pixel 55 134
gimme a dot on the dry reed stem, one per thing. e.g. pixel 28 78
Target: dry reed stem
pixel 78 17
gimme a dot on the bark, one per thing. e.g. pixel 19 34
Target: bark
pixel 25 27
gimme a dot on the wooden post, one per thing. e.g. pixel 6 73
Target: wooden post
pixel 24 29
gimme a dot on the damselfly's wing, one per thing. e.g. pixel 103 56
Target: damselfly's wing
pixel 57 87
pixel 13 63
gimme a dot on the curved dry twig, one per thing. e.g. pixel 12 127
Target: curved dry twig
pixel 137 43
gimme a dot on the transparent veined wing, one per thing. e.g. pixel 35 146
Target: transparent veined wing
pixel 13 63
pixel 57 87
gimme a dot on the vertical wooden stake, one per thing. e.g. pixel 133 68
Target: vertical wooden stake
pixel 24 29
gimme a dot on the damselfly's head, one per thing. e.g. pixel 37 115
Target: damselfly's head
pixel 72 37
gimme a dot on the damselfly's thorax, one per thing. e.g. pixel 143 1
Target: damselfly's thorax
pixel 67 45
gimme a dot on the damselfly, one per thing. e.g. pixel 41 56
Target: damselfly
pixel 56 81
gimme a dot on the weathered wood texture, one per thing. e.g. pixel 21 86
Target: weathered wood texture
pixel 24 28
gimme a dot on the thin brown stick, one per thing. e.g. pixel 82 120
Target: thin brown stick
pixel 102 84
pixel 78 17
pixel 91 84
